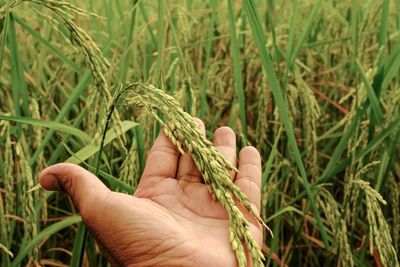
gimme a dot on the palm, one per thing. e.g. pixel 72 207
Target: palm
pixel 187 213
pixel 172 220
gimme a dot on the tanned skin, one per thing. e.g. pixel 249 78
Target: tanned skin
pixel 171 220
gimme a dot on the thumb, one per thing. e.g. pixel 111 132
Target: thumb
pixel 84 188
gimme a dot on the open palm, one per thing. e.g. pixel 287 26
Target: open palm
pixel 171 220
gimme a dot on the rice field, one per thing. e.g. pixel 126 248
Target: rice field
pixel 313 85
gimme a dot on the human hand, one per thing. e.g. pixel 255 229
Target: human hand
pixel 172 219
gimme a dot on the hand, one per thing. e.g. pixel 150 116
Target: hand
pixel 171 220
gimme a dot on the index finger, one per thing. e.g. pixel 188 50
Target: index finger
pixel 162 160
pixel 249 177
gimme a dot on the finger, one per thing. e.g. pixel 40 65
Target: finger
pixel 99 207
pixel 249 176
pixel 162 160
pixel 225 142
pixel 187 169
pixel 85 189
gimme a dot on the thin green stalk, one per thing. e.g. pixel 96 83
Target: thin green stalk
pixel 183 59
pixel 278 96
pixel 293 52
pixel 237 68
pixel 3 36
pixel 385 170
pixel 160 42
pixel 271 157
pixel 45 233
pixel 392 128
pixel 383 31
pixel 146 19
pixel 208 46
pixel 20 89
pixel 292 31
pixel 47 44
pixel 63 113
pixel 334 167
pixel 96 173
pixel 372 97
pixel 128 43
pixel 59 149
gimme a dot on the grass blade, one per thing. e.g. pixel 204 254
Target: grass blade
pixel 127 58
pixel 276 91
pixel 237 69
pixel 55 126
pixel 50 230
pixel 78 241
pixel 20 89
pixel 91 149
pixel 3 35
pixel 62 114
pixel 47 44
pixel 393 127
pixel 210 35
pixel 373 99
pixel 329 169
pixel 391 69
pixel 292 52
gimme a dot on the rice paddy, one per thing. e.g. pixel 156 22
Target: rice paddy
pixel 313 85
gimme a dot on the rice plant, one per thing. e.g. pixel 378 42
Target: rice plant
pixel 314 85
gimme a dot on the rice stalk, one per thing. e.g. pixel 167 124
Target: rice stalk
pixel 184 134
pixel 37 133
pixel 97 63
pixel 392 103
pixel 5 250
pixel 292 98
pixel 262 119
pixel 394 199
pixel 145 119
pixel 8 203
pixel 197 33
pixel 8 182
pixel 185 22
pixel 273 183
pixel 5 6
pixel 379 232
pixel 130 170
pixel 3 232
pixel 357 140
pixel 338 226
pixel 311 114
pixel 95 60
pixel 27 199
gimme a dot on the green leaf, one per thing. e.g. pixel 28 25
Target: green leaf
pixel 237 69
pixel 373 100
pixel 43 235
pixel 283 112
pixel 56 126
pixel 393 127
pixel 47 44
pixel 6 250
pixel 92 149
pixel 62 114
pixel 282 211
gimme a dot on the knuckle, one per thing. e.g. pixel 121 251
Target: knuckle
pixel 164 150
pixel 250 149
pixel 249 186
pixel 68 185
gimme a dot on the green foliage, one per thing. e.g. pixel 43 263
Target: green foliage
pixel 314 85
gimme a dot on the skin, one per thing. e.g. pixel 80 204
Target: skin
pixel 171 220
